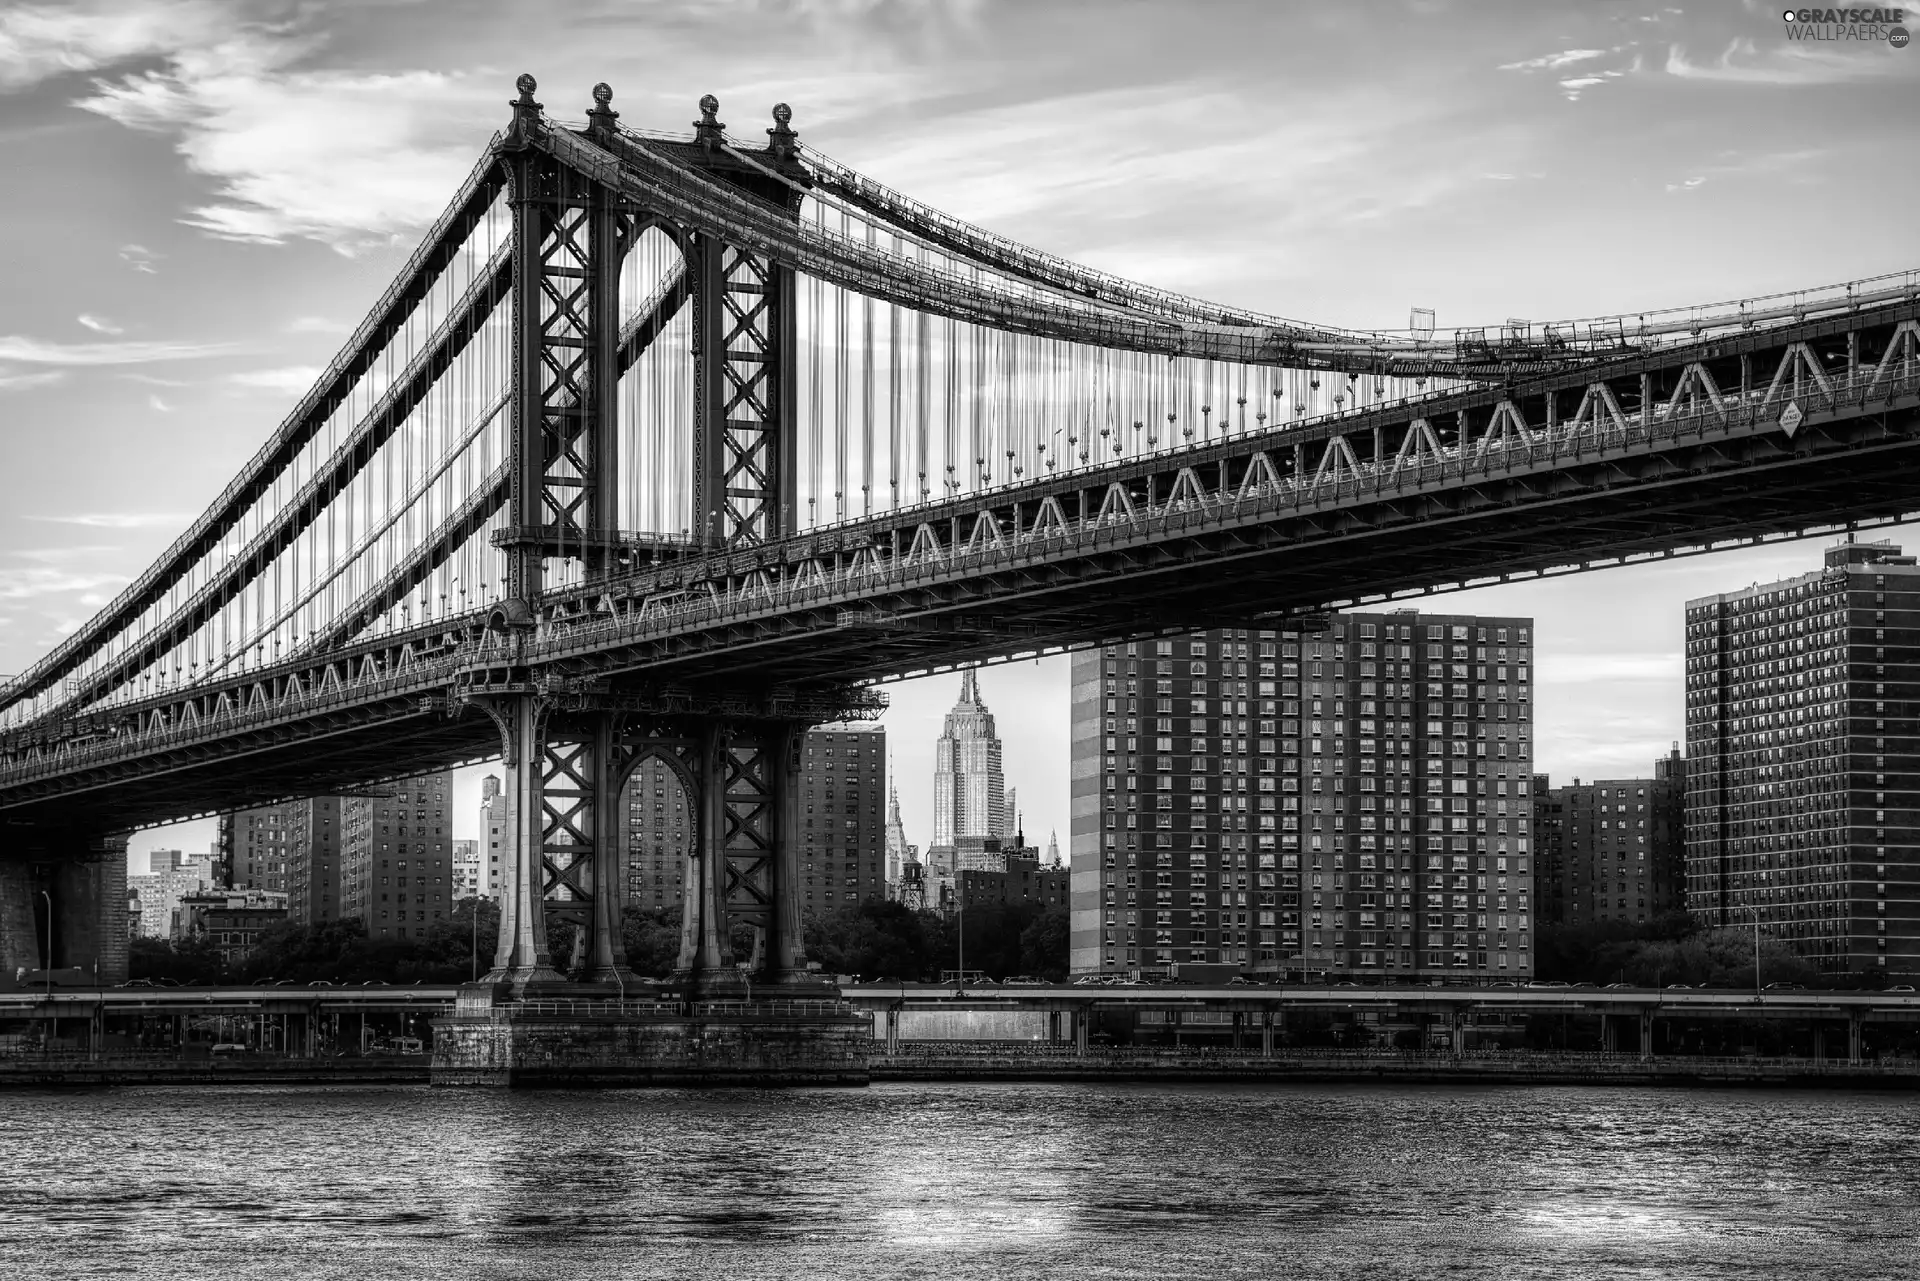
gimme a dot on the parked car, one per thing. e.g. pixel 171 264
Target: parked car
pixel 1025 980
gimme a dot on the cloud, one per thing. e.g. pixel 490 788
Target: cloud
pixel 152 380
pixel 1687 185
pixel 27 382
pixel 293 378
pixel 32 351
pixel 318 325
pixel 98 325
pixel 41 42
pixel 1554 61
pixel 27 582
pixel 287 147
pixel 140 258
pixel 159 405
pixel 115 520
pixel 1789 63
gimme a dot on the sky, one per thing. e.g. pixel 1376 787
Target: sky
pixel 205 197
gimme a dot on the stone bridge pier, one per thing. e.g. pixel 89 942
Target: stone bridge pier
pixel 63 907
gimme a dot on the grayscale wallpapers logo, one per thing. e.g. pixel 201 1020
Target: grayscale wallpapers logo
pixel 1872 25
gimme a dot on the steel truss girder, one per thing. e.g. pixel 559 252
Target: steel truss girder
pixel 1245 527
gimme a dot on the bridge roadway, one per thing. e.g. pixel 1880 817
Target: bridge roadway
pixel 88 1003
pixel 1770 434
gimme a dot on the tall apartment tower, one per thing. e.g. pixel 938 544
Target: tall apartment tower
pixel 495 832
pixel 1612 850
pixel 843 790
pixel 1355 800
pixel 1803 760
pixel 969 788
pixel 292 848
pixel 843 843
pixel 660 829
pixel 398 857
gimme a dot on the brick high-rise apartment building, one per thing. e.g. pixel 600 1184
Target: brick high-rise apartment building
pixel 1356 800
pixel 398 857
pixel 292 848
pixel 1803 761
pixel 1614 849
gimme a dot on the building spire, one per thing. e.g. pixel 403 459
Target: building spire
pixel 969 687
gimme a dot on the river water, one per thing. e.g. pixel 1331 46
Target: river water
pixel 965 1180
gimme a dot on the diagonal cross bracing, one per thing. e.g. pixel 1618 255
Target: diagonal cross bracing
pixel 635 337
pixel 442 245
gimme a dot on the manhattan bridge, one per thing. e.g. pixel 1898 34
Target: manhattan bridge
pixel 672 447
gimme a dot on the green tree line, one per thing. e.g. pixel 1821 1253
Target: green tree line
pixel 875 939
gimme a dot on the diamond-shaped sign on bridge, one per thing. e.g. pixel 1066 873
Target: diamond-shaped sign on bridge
pixel 1790 420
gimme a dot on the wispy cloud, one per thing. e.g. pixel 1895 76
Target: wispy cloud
pixel 158 405
pixel 30 581
pixel 33 351
pixel 1744 61
pixel 99 325
pixel 154 380
pixel 115 520
pixel 294 378
pixel 140 258
pixel 318 325
pixel 27 382
pixel 41 42
pixel 1554 61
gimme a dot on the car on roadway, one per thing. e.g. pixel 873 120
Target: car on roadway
pixel 1678 987
pixel 228 1049
pixel 1620 987
pixel 1549 983
pixel 1786 987
pixel 1901 987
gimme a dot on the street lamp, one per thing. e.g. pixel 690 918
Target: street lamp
pixel 46 962
pixel 1756 948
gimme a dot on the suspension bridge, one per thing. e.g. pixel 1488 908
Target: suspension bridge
pixel 672 446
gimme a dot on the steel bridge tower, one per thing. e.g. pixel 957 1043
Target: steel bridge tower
pixel 568 749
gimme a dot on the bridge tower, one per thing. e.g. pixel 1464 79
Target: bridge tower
pixel 568 749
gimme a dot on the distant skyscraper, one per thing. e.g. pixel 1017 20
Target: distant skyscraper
pixel 969 789
pixel 467 877
pixel 1801 760
pixel 1053 849
pixel 900 852
pixel 494 834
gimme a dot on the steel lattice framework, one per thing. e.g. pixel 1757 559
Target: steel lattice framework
pixel 611 387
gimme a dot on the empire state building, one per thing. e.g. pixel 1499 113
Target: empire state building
pixel 969 790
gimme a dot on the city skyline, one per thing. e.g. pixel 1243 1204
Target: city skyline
pixel 221 243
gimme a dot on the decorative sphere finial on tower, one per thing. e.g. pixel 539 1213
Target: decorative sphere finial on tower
pixel 781 139
pixel 601 115
pixel 708 130
pixel 526 112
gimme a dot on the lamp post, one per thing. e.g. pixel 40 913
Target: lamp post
pixel 46 962
pixel 1756 948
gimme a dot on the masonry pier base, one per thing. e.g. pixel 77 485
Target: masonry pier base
pixel 492 1040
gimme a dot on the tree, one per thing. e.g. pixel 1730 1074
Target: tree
pixel 193 959
pixel 652 938
pixel 1045 945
